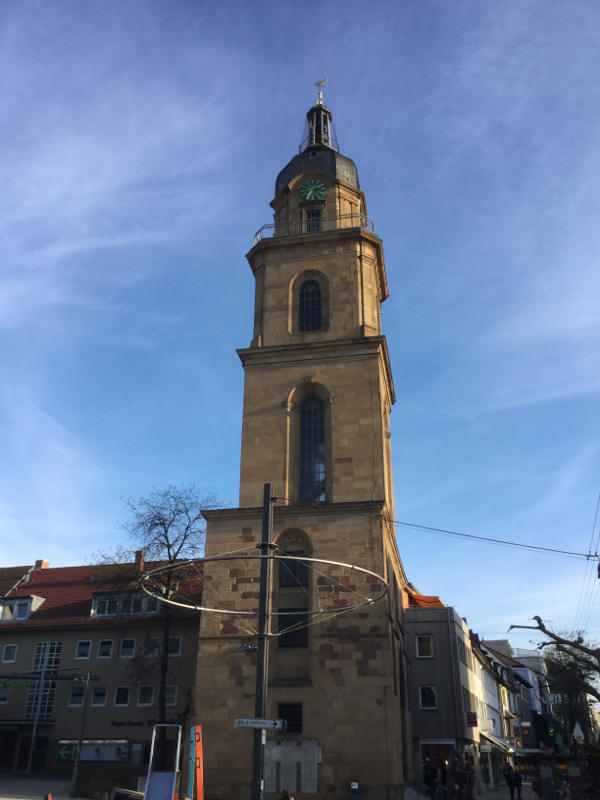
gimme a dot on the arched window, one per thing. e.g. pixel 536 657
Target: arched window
pixel 312 451
pixel 309 300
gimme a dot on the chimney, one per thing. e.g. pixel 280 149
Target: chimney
pixel 140 557
pixel 41 564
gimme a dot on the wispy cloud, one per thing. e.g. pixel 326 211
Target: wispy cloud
pixel 42 497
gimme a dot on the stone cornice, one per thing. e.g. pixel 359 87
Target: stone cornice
pixel 296 510
pixel 291 243
pixel 275 355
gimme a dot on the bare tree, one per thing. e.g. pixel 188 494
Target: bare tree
pixel 585 657
pixel 168 525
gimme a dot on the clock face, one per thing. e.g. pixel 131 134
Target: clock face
pixel 313 189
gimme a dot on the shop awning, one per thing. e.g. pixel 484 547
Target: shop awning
pixel 500 743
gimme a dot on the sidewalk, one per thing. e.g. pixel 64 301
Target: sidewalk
pixel 26 787
pixel 18 787
pixel 502 793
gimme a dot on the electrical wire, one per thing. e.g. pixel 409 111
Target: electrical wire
pixel 490 540
pixel 485 539
pixel 589 587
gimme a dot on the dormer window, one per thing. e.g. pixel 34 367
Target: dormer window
pixel 13 610
pixel 110 605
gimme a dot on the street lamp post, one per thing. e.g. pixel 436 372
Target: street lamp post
pixel 85 679
pixel 262 654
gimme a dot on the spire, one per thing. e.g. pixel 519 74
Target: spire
pixel 319 130
pixel 319 150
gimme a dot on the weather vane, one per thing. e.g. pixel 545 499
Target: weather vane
pixel 320 84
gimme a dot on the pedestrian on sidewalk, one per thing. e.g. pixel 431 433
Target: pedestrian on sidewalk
pixel 509 777
pixel 431 778
pixel 518 784
pixel 485 776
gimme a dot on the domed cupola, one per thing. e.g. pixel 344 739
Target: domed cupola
pixel 319 151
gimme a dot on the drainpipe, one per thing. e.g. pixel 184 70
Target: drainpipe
pixel 456 686
pixel 455 675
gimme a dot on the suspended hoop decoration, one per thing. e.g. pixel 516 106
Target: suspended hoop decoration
pixel 182 565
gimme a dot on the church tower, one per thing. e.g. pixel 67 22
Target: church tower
pixel 317 398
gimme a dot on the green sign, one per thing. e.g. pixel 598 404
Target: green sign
pixel 66 751
pixel 7 684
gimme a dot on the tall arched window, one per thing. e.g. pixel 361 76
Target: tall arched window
pixel 312 451
pixel 309 300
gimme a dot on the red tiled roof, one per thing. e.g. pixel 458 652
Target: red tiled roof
pixel 424 601
pixel 68 592
pixel 10 576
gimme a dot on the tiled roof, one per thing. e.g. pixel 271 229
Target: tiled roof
pixel 507 660
pixel 10 577
pixel 68 593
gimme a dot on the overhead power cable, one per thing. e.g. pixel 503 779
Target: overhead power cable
pixel 589 587
pixel 504 542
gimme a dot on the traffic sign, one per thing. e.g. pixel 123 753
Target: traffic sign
pixel 267 724
pixel 66 751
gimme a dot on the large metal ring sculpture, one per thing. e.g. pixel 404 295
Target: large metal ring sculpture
pixel 182 565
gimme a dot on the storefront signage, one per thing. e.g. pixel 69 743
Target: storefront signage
pixel 19 684
pixel 94 750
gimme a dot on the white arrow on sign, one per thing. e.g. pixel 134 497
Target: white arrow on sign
pixel 268 724
pixel 65 751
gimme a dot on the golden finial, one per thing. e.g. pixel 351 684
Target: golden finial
pixel 320 84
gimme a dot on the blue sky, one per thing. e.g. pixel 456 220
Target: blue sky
pixel 140 144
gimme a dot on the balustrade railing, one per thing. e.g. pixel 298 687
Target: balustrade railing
pixel 308 226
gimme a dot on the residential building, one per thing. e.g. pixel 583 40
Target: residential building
pixel 537 727
pixel 80 649
pixel 455 694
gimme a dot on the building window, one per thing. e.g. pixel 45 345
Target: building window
pixel 313 220
pixel 83 648
pixel 105 648
pixel 104 606
pixel 171 694
pixel 109 605
pixel 293 573
pixel 99 696
pixel 292 714
pixel 309 300
pixel 136 753
pixel 76 696
pixel 425 646
pixel 427 697
pixel 122 696
pixel 312 451
pixel 47 656
pixel 127 648
pixel 292 627
pixel 150 646
pixel 40 700
pixel 174 646
pixel 9 653
pixel 15 610
pixel 4 690
pixel 145 695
